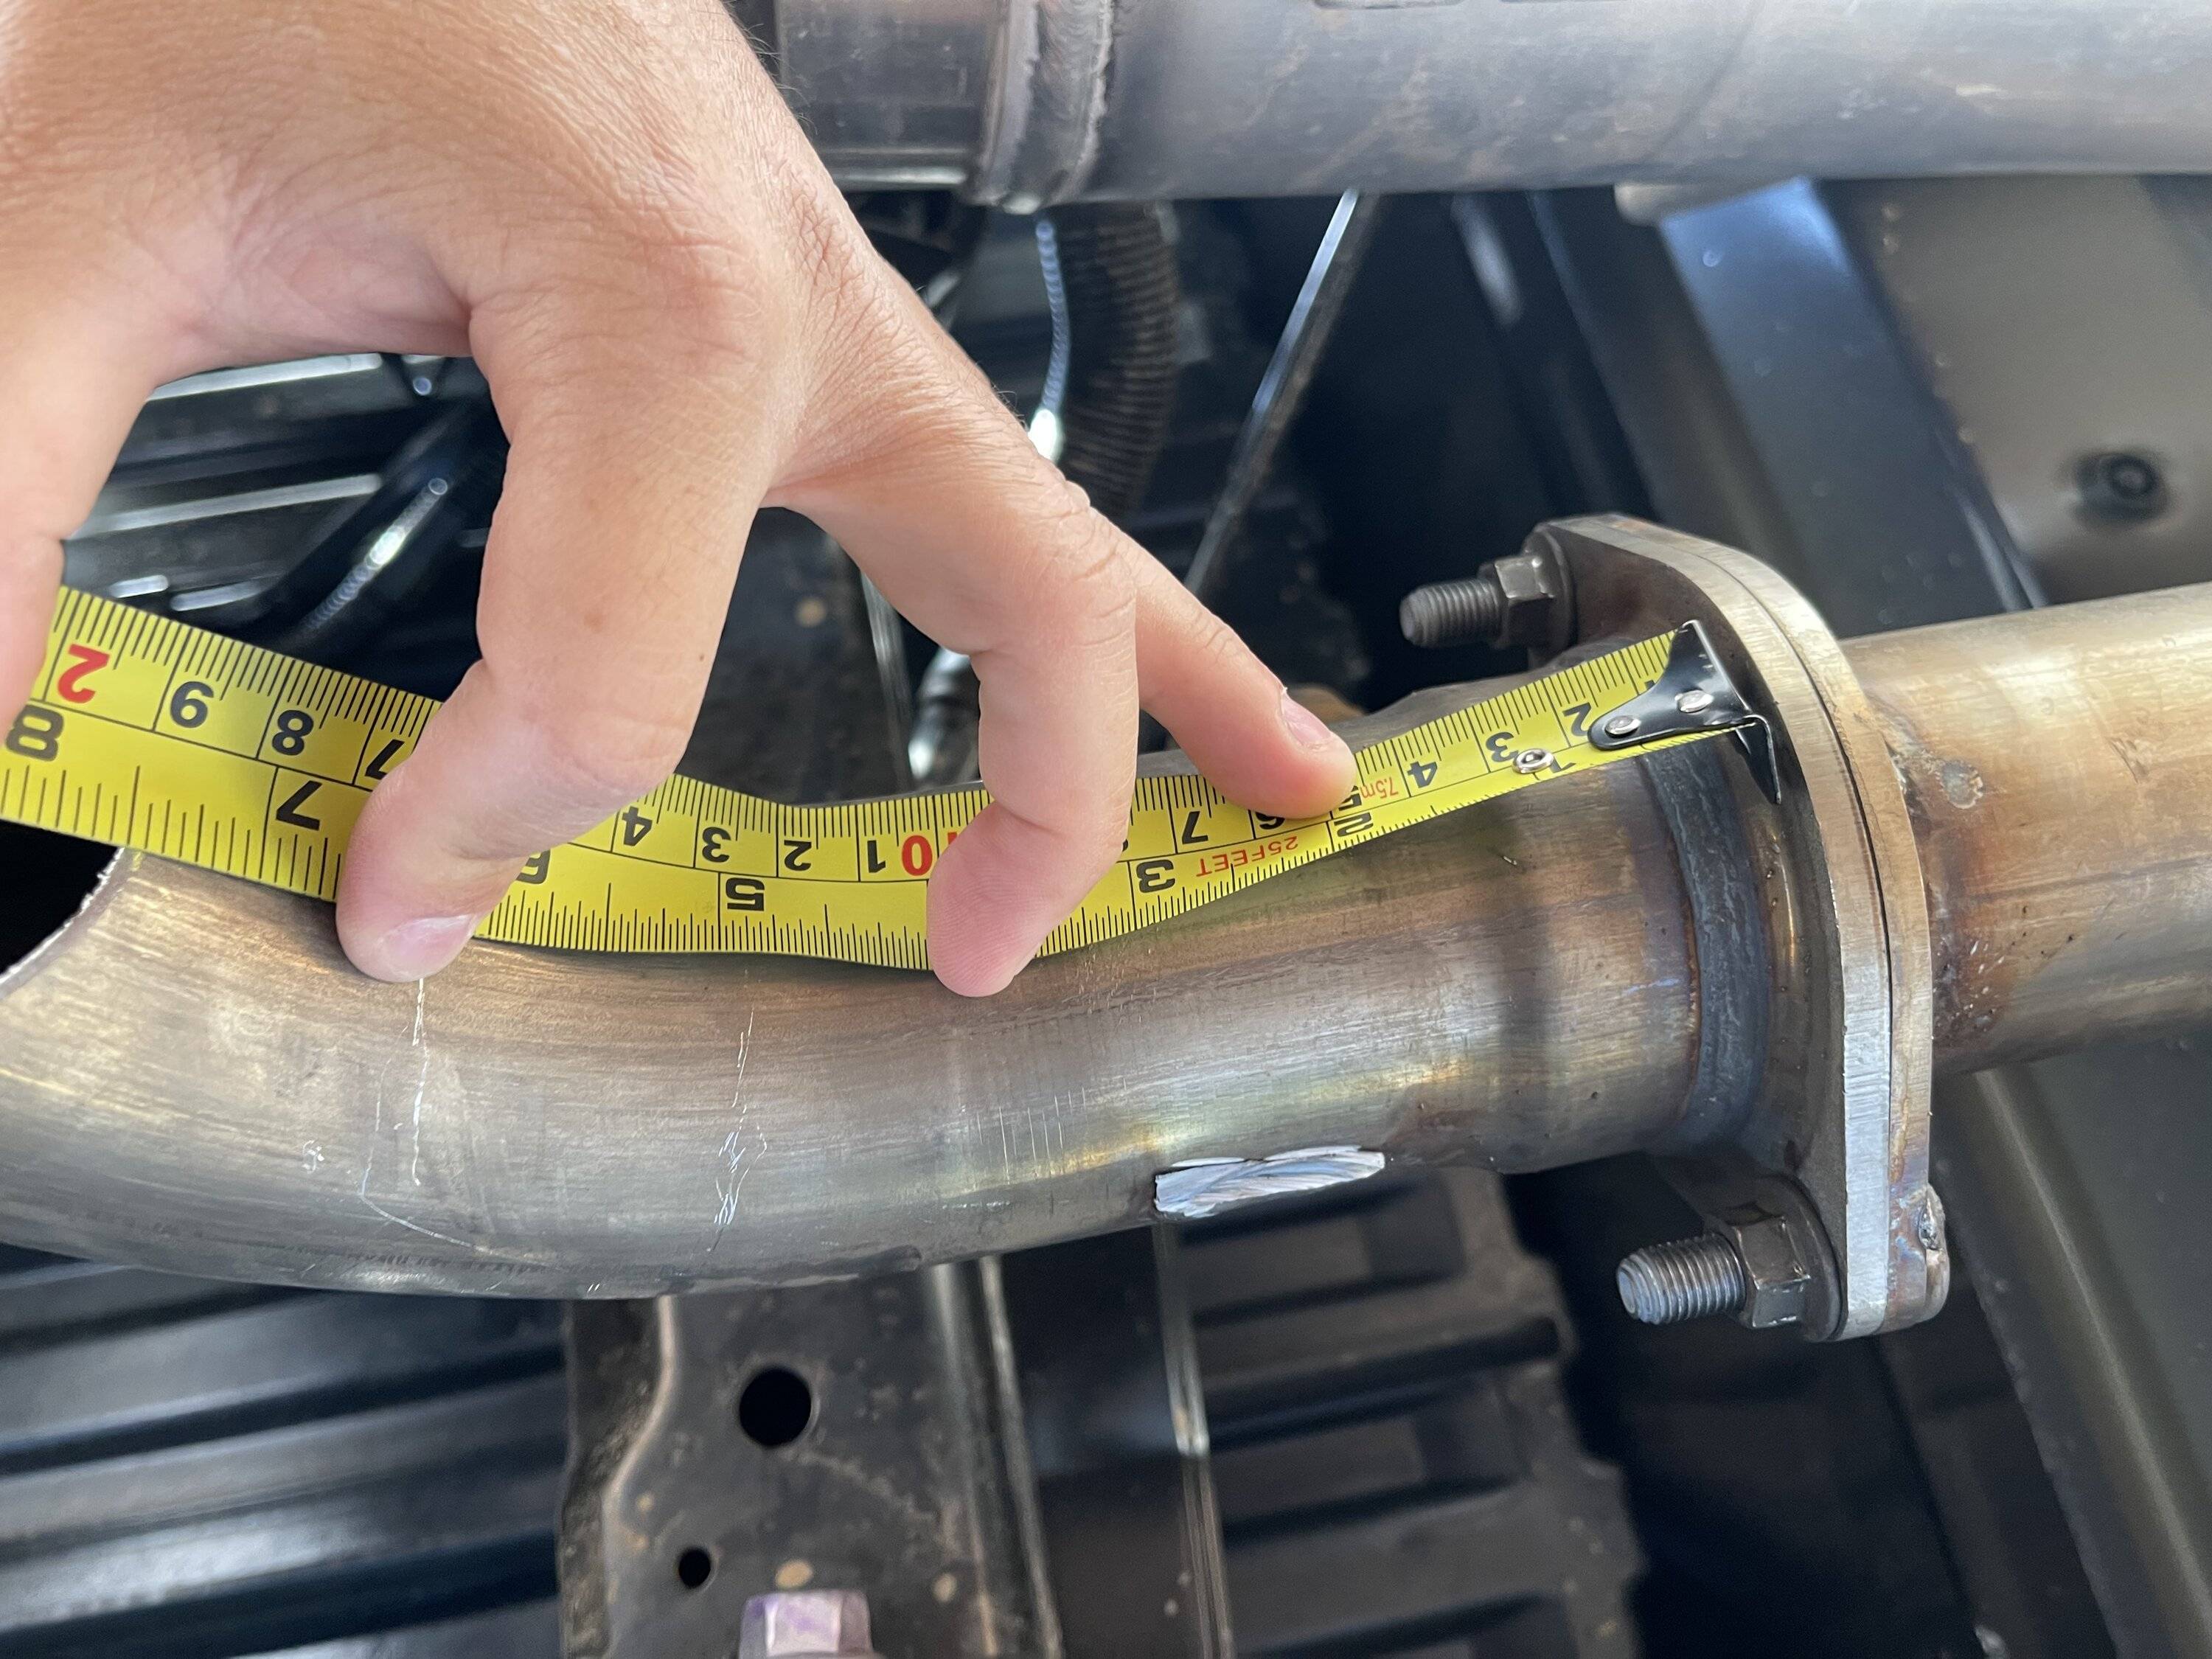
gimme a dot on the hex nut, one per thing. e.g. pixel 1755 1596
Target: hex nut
pixel 1536 600
pixel 1778 1282
pixel 806 1625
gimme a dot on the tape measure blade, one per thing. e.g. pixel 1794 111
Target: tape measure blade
pixel 148 733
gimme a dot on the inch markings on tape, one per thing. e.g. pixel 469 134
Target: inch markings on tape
pixel 144 731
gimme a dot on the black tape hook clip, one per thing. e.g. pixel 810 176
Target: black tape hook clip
pixel 1693 693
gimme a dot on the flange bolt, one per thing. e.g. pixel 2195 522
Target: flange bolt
pixel 1526 600
pixel 1688 1279
pixel 1466 612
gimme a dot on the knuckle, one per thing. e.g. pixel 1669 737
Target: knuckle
pixel 891 394
pixel 23 147
pixel 792 285
pixel 1218 649
pixel 675 244
pixel 719 297
pixel 1098 843
pixel 883 392
pixel 1085 575
pixel 829 255
pixel 601 756
pixel 1224 652
pixel 44 161
pixel 1085 837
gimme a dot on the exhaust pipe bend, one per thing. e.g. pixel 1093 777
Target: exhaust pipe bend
pixel 191 1076
pixel 192 1079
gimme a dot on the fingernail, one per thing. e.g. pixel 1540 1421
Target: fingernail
pixel 415 950
pixel 1307 729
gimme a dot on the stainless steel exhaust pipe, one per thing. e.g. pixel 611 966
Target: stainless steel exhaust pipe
pixel 191 1078
pixel 1030 102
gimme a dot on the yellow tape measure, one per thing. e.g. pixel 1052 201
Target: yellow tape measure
pixel 145 732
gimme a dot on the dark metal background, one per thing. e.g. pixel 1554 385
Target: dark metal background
pixel 1397 1469
pixel 189 1468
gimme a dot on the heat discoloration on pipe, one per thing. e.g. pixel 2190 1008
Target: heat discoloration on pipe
pixel 2058 767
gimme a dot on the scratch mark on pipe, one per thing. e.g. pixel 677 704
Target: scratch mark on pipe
pixel 760 1150
pixel 376 1133
pixel 729 1184
pixel 422 1083
pixel 411 1226
pixel 744 1048
pixel 726 1190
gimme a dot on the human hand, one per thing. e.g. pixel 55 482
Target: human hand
pixel 609 206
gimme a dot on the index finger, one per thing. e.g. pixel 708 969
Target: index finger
pixel 989 550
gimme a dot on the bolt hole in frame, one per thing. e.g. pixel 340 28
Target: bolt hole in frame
pixel 776 1407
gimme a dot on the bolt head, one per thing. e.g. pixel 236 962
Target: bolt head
pixel 1623 725
pixel 1695 700
pixel 806 1624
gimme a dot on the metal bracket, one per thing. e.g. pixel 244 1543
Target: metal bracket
pixel 1693 693
pixel 1839 1106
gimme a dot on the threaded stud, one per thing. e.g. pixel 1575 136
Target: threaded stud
pixel 1688 1279
pixel 1467 612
